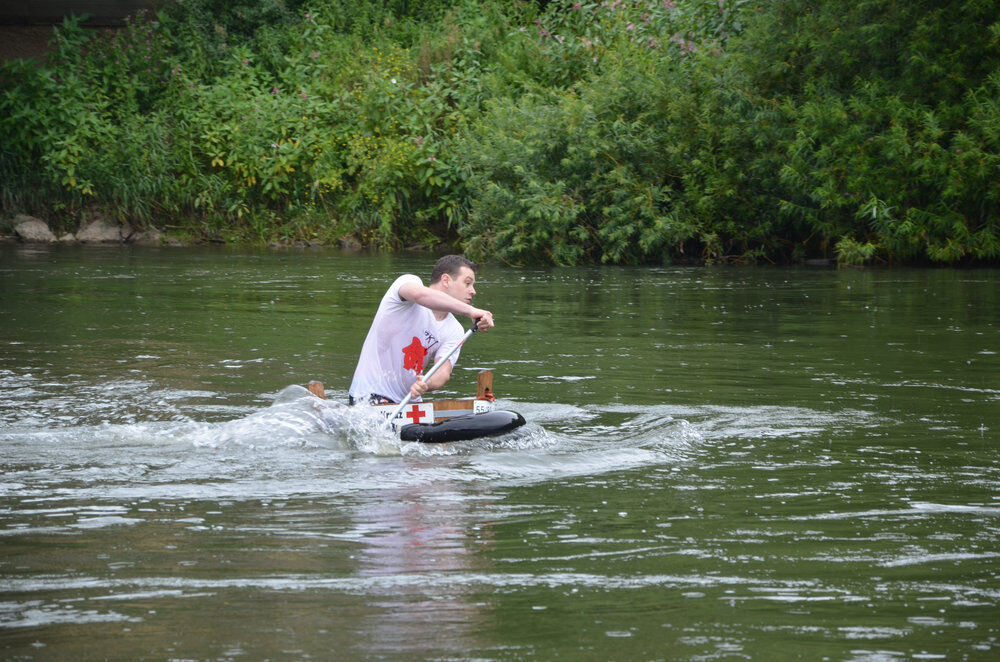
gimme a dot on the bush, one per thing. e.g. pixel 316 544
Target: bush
pixel 612 160
pixel 613 132
pixel 885 106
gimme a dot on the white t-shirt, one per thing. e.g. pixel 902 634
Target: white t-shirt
pixel 403 342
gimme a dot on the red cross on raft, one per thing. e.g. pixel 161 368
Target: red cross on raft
pixel 415 414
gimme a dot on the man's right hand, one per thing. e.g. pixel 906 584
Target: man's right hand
pixel 418 388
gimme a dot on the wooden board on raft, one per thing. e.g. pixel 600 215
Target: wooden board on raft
pixel 442 408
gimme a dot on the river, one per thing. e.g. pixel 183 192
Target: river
pixel 719 463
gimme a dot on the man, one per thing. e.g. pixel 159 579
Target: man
pixel 414 325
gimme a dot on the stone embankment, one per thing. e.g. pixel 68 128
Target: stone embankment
pixel 95 231
pixel 98 230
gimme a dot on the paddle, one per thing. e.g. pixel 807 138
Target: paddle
pixel 406 400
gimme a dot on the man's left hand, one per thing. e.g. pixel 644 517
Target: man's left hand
pixel 484 320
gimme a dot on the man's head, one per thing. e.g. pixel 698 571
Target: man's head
pixel 456 276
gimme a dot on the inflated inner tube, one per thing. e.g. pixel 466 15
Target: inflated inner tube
pixel 460 428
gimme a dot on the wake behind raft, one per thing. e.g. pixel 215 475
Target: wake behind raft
pixel 438 421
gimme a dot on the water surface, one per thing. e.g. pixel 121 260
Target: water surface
pixel 718 464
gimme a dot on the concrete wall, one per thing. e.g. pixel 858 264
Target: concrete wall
pixel 26 25
pixel 51 12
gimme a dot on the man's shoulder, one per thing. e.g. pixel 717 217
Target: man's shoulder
pixel 408 277
pixel 393 291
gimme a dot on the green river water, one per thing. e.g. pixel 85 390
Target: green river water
pixel 719 463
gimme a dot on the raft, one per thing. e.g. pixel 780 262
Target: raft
pixel 440 421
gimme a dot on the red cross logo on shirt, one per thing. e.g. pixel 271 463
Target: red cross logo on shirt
pixel 415 414
pixel 413 356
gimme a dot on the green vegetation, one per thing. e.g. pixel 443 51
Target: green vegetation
pixel 612 132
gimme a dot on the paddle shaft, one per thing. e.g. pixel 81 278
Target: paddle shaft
pixel 430 373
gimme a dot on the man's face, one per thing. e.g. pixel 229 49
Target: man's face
pixel 462 286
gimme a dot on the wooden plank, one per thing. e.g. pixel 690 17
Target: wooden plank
pixel 484 391
pixel 484 385
pixel 452 405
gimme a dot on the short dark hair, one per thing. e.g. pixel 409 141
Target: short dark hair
pixel 451 264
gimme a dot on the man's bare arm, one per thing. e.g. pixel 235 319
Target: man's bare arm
pixel 438 379
pixel 441 302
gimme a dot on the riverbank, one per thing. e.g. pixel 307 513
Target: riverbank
pixel 97 230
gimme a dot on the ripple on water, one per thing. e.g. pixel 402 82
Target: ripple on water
pixel 299 440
